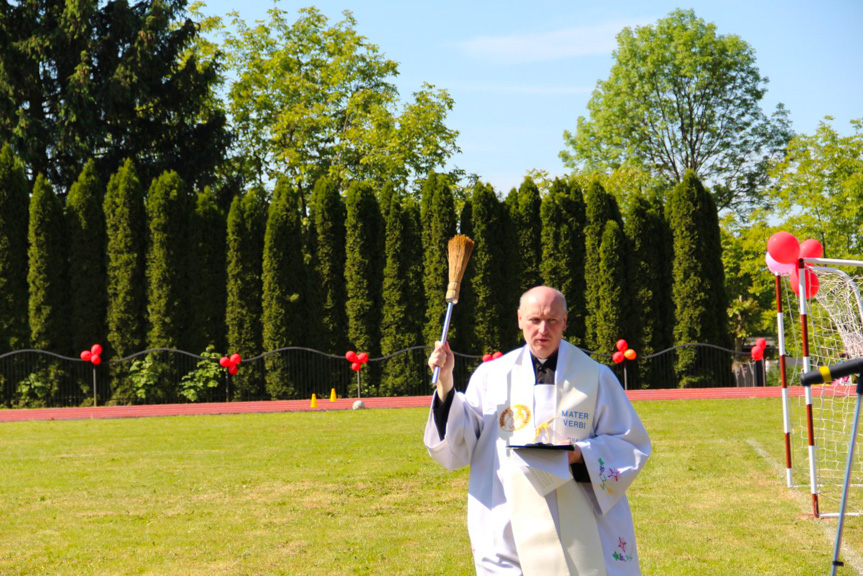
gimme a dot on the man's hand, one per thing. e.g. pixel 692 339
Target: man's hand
pixel 575 456
pixel 442 357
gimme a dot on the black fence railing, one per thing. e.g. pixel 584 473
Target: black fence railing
pixel 35 378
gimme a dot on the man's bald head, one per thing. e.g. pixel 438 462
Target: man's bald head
pixel 540 292
pixel 542 319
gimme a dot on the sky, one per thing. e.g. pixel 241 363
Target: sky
pixel 522 72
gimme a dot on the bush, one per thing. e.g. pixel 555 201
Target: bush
pixel 207 376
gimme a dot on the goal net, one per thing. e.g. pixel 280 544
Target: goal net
pixel 833 333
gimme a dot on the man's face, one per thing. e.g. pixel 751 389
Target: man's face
pixel 542 320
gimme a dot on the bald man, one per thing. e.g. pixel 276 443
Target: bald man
pixel 552 443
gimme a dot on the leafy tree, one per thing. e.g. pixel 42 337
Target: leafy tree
pixel 438 226
pixel 246 225
pixel 284 289
pixel 85 229
pixel 364 234
pixel 611 318
pixel 46 275
pixel 401 325
pixel 682 97
pixel 600 208
pixel 207 273
pixel 819 189
pixel 168 206
pixel 14 216
pixel 528 234
pixel 108 81
pixel 562 241
pixel 313 99
pixel 328 215
pixel 698 279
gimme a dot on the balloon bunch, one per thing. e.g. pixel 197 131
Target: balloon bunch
pixel 624 352
pixel 356 360
pixel 783 251
pixel 93 355
pixel 757 351
pixel 232 363
pixel 490 357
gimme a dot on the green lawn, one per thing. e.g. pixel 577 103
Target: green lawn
pixel 356 493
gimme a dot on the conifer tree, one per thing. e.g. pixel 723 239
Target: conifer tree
pixel 46 275
pixel 438 226
pixel 245 246
pixel 284 288
pixel 600 207
pixel 364 230
pixel 562 266
pixel 528 235
pixel 402 320
pixel 207 273
pixel 462 322
pixel 85 229
pixel 611 318
pixel 14 217
pixel 168 206
pixel 328 215
pixel 698 288
pixel 125 223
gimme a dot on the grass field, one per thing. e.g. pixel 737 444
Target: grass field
pixel 356 493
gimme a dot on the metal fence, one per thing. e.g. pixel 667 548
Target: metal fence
pixel 35 378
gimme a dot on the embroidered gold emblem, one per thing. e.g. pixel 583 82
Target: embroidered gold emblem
pixel 514 418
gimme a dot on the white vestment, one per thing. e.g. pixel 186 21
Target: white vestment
pixel 615 450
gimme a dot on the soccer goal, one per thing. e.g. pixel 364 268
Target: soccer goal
pixel 819 331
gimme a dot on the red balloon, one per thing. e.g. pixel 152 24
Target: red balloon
pixel 362 357
pixel 617 357
pixel 355 366
pixel 486 357
pixel 224 361
pixel 85 355
pixel 95 359
pixel 236 359
pixel 232 369
pixel 630 354
pixel 757 353
pixel 783 247
pixel 96 349
pixel 761 343
pixel 811 248
pixel 351 356
pixel 621 345
pixel 496 355
pixel 812 283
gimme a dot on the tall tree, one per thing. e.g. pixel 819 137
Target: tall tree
pixel 284 288
pixel 313 99
pixel 562 241
pixel 168 206
pixel 46 275
pixel 600 208
pixel 14 216
pixel 85 229
pixel 682 97
pixel 245 244
pixel 364 233
pixel 699 283
pixel 611 318
pixel 438 226
pixel 528 234
pixel 108 81
pixel 207 273
pixel 328 215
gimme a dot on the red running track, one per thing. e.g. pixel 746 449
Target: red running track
pixel 340 404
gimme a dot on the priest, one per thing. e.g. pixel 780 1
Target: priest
pixel 553 444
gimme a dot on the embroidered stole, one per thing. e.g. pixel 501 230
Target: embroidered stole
pixel 577 549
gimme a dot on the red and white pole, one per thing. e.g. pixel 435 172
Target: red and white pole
pixel 810 429
pixel 783 375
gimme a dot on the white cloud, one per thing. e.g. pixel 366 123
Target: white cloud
pixel 546 46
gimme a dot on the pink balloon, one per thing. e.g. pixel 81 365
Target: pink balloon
pixel 351 356
pixel 811 248
pixel 96 349
pixel 784 248
pixel 618 357
pixel 232 369
pixel 355 366
pixel 362 357
pixel 95 359
pixel 486 357
pixel 621 345
pixel 778 268
pixel 812 283
pixel 496 355
pixel 85 355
